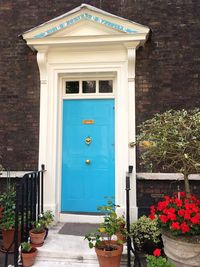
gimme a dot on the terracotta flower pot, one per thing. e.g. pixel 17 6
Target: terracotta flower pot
pixel 28 258
pixel 109 258
pixel 37 239
pixel 120 237
pixel 8 237
pixel 1 212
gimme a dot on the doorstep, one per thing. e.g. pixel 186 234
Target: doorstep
pixel 67 251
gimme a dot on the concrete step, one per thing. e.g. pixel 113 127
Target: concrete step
pixel 67 251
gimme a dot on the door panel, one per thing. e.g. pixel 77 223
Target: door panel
pixel 85 185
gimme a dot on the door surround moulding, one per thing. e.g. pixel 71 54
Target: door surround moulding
pixel 54 74
pixel 82 47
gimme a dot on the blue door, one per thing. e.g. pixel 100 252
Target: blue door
pixel 87 154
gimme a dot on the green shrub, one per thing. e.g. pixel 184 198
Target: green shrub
pixel 170 142
pixel 145 229
pixel 153 261
pixel 7 201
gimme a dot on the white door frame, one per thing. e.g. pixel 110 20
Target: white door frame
pixel 50 130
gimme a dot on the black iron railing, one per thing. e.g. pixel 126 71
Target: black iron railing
pixel 130 248
pixel 28 206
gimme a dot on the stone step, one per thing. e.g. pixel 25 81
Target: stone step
pixel 67 251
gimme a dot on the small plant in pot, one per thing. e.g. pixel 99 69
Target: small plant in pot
pixel 37 233
pixel 122 233
pixel 40 228
pixel 108 250
pixel 156 260
pixel 146 235
pixel 1 196
pixel 7 222
pixel 109 210
pixel 46 219
pixel 28 254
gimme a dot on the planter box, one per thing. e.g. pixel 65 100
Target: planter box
pixel 182 254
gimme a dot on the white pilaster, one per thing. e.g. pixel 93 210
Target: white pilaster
pixel 131 54
pixel 42 64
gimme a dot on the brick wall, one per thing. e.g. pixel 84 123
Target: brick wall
pixel 167 71
pixel 149 192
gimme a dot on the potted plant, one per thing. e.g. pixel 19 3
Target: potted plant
pixel 28 254
pixel 108 250
pixel 171 142
pixel 121 234
pixel 1 196
pixel 40 228
pixel 7 222
pixel 37 234
pixel 46 219
pixel 156 260
pixel 109 210
pixel 179 219
pixel 146 235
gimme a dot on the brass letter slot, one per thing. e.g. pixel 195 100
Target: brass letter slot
pixel 88 121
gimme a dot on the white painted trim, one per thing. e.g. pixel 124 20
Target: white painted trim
pixel 97 11
pixel 13 174
pixel 166 176
pixel 89 77
pixel 139 176
pixel 52 153
pixel 131 54
pixel 80 218
pixel 118 69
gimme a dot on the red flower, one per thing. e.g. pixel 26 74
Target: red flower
pixel 163 218
pixel 157 252
pixel 162 205
pixel 153 210
pixel 195 219
pixel 175 226
pixel 185 228
pixel 167 199
pixel 191 207
pixel 187 216
pixel 171 210
pixel 152 216
pixel 171 216
pixel 178 214
pixel 181 212
pixel 178 202
pixel 182 194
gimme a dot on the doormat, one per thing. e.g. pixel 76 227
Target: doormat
pixel 78 229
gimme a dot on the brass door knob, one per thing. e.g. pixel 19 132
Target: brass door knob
pixel 88 140
pixel 87 162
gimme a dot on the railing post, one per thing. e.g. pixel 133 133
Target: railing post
pixel 128 219
pixel 16 234
pixel 129 245
pixel 42 187
pixel 28 205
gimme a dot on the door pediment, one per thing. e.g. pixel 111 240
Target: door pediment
pixel 86 24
